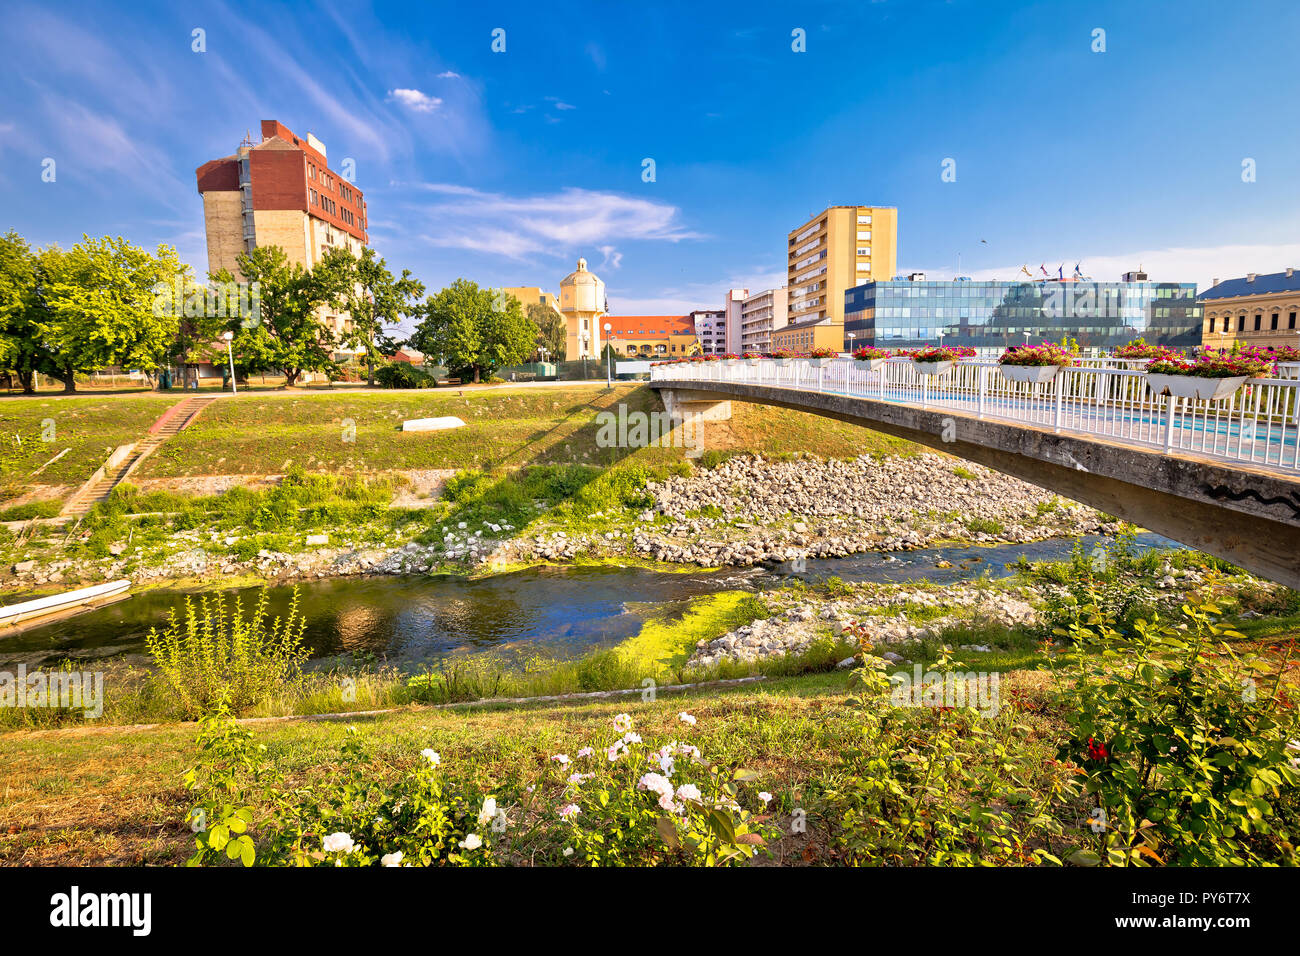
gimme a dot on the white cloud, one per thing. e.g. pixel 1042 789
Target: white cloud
pixel 555 224
pixel 613 258
pixel 415 100
pixel 1199 264
pixel 449 75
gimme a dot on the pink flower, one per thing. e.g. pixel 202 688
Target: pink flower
pixel 569 810
pixel 688 791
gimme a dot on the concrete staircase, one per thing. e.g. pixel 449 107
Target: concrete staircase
pixel 125 459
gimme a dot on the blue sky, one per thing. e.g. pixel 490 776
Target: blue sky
pixel 505 167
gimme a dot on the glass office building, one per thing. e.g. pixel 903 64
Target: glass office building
pixel 905 313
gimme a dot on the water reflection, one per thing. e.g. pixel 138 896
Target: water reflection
pixel 551 611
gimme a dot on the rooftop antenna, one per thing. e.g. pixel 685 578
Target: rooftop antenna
pixel 248 138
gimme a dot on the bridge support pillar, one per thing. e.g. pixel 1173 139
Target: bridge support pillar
pixel 688 404
pixel 692 408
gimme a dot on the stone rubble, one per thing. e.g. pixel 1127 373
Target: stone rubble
pixel 881 619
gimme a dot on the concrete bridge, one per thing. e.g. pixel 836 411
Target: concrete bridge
pixel 1219 476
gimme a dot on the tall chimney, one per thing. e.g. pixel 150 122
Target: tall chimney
pixel 1289 272
pixel 1250 276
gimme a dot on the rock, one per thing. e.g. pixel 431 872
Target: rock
pixel 317 539
pixel 22 567
pixel 847 662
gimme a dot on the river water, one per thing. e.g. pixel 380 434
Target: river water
pixel 554 612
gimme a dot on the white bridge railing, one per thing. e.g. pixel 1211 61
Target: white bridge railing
pixel 1256 425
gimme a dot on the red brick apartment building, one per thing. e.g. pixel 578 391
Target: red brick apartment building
pixel 280 192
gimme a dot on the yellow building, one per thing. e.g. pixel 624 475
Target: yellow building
pixel 837 249
pixel 1255 310
pixel 533 295
pixel 582 303
pixel 809 334
pixel 652 336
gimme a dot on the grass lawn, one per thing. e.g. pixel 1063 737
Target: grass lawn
pixel 91 426
pixel 114 796
pixel 256 434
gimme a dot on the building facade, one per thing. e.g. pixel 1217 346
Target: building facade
pixel 583 305
pixel 903 313
pixel 281 192
pixel 758 314
pixel 711 330
pixel 1255 310
pixel 731 310
pixel 533 295
pixel 652 336
pixel 837 249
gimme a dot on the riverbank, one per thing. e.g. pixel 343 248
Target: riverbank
pixel 112 796
pixel 743 511
pixel 390 648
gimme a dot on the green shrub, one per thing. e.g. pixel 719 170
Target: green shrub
pixel 935 785
pixel 349 820
pixel 403 375
pixel 33 509
pixel 1184 745
pixel 214 654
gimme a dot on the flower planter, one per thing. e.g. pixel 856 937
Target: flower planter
pixel 1035 374
pixel 752 361
pixel 868 365
pixel 1288 369
pixel 783 362
pixel 931 368
pixel 732 363
pixel 1194 386
pixel 820 362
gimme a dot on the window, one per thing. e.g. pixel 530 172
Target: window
pixel 1227 322
pixel 1290 322
pixel 1259 321
pixel 1241 323
pixel 1273 325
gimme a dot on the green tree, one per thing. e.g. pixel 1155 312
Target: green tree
pixel 79 311
pixel 287 334
pixel 473 330
pixel 374 299
pixel 19 345
pixel 550 330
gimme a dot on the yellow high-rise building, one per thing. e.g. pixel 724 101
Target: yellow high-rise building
pixel 837 249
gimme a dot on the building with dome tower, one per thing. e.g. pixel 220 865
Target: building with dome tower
pixel 582 303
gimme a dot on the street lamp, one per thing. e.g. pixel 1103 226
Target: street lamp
pixel 229 336
pixel 609 359
pixel 852 336
pixel 1026 339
